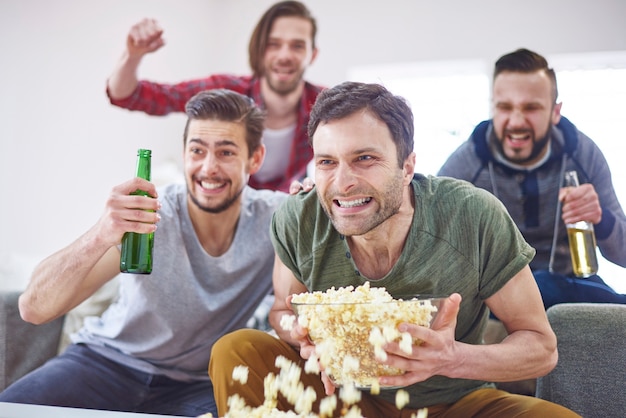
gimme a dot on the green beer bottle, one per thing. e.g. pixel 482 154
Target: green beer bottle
pixel 136 250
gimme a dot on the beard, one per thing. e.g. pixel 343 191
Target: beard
pixel 390 201
pixel 537 149
pixel 284 88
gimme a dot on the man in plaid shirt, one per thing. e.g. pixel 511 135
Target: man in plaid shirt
pixel 281 48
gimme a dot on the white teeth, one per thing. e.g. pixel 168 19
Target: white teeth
pixel 211 186
pixel 353 203
pixel 518 137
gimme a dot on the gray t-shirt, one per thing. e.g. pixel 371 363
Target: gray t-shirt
pixel 461 240
pixel 167 322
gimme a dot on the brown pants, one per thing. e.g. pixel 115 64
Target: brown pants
pixel 257 350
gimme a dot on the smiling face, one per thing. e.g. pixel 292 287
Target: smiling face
pixel 523 112
pixel 357 177
pixel 289 51
pixel 217 164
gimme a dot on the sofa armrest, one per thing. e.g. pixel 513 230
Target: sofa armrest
pixel 589 377
pixel 23 346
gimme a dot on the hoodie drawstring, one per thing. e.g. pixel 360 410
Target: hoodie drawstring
pixel 557 216
pixel 492 178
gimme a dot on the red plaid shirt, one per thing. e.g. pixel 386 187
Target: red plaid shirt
pixel 161 99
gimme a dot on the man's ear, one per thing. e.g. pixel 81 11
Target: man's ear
pixel 556 113
pixel 409 167
pixel 256 161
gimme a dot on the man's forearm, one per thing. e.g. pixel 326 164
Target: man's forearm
pixel 123 81
pixel 65 279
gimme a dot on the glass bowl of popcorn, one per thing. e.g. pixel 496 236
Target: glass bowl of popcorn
pixel 349 327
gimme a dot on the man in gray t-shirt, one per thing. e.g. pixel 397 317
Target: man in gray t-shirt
pixel 213 259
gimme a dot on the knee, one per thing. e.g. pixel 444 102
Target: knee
pixel 240 341
pixel 228 342
pixel 233 348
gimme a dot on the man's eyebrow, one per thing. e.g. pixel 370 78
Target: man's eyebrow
pixel 360 151
pixel 221 142
pixel 197 141
pixel 366 150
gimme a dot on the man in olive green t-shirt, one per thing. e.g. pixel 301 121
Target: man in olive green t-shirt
pixel 372 220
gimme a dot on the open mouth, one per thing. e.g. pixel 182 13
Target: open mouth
pixel 283 73
pixel 518 138
pixel 353 203
pixel 211 185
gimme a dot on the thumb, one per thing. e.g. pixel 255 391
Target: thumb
pixel 448 311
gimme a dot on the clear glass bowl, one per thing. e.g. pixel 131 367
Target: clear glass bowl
pixel 349 336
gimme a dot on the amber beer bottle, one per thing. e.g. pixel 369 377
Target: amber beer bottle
pixel 582 240
pixel 136 250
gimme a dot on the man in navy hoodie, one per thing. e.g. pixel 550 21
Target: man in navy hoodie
pixel 521 156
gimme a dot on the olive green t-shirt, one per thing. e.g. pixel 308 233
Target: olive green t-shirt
pixel 461 240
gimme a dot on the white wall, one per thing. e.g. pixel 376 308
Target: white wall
pixel 62 146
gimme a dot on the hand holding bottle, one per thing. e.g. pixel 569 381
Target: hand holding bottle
pixel 136 251
pixel 580 233
pixel 129 213
pixel 580 204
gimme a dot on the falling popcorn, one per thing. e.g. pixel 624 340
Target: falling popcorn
pixel 328 405
pixel 312 365
pixel 422 413
pixel 287 321
pixel 375 388
pixel 350 394
pixel 406 343
pixel 402 398
pixel 286 383
pixel 347 353
pixel 240 374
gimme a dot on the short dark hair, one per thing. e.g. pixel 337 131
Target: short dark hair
pixel 350 97
pixel 526 61
pixel 229 106
pixel 258 40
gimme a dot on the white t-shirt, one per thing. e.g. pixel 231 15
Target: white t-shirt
pixel 278 144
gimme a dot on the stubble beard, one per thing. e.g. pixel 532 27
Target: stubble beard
pixel 284 88
pixel 390 201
